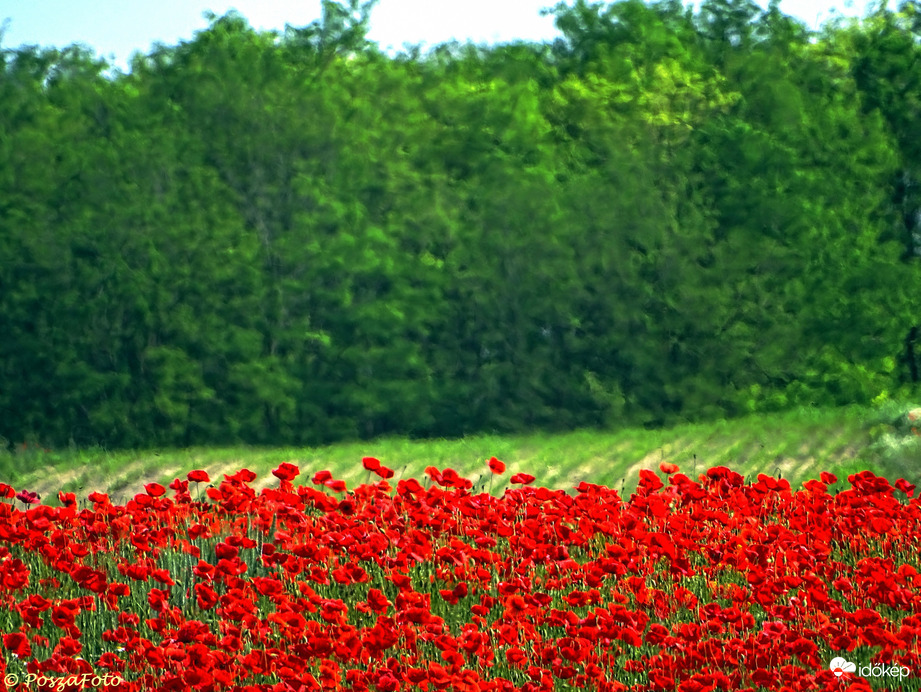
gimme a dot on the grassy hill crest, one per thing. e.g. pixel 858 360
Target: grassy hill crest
pixel 796 445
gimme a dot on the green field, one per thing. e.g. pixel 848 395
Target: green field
pixel 796 445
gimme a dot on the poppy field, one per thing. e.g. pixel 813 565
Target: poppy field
pixel 711 583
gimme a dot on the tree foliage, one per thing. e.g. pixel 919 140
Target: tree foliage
pixel 295 238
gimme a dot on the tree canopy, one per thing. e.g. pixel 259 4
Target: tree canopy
pixel 295 238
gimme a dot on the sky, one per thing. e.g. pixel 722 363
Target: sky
pixel 115 29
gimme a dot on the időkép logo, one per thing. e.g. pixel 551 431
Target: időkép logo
pixel 839 666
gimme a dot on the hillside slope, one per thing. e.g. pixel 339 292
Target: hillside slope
pixel 795 445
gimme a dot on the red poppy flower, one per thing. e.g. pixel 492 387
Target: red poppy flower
pixel 668 468
pixel 225 551
pixel 905 487
pixel 814 486
pixel 155 489
pixel 198 477
pixel 522 478
pixel 17 644
pixel 377 600
pixel 386 682
pixel 450 478
pixel 438 676
pixel 649 482
pixel 27 497
pixel 515 656
pixel 65 613
pixel 321 477
pixel 241 476
pixel 449 596
pixel 496 466
pixel 721 473
pixel 337 486
pixel 180 487
pixel 68 646
pixel 370 463
pixel 828 478
pixel 410 487
pixel 205 596
pixel 286 471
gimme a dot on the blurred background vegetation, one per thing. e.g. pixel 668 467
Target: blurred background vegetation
pixel 665 216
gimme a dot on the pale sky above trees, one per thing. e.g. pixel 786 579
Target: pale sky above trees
pixel 116 28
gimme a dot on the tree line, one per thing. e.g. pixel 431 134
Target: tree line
pixel 294 238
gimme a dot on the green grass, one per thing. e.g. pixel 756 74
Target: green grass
pixel 797 445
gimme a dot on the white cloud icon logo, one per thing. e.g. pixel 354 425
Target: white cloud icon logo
pixel 839 666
